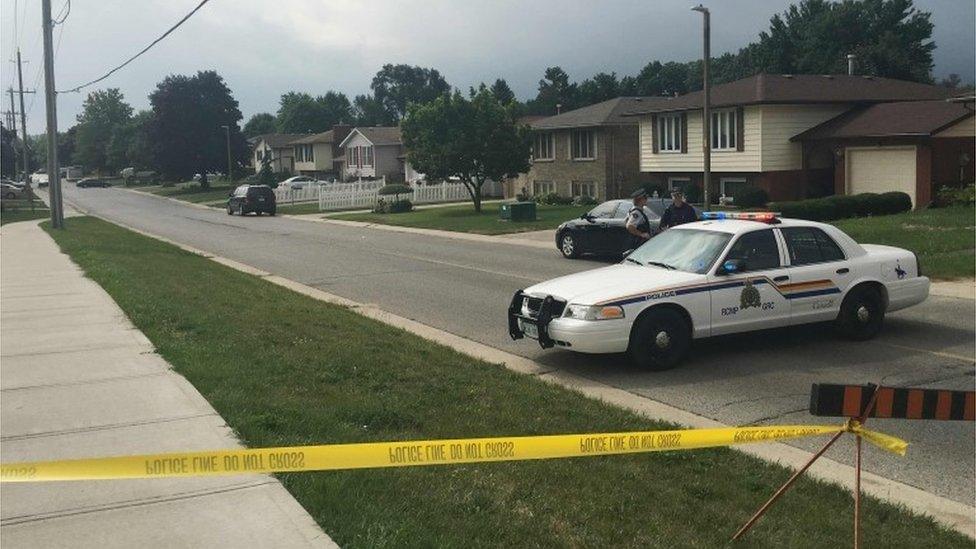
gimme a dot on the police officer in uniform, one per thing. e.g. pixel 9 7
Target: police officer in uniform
pixel 679 212
pixel 637 223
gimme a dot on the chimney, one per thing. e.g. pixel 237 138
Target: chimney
pixel 850 63
pixel 559 108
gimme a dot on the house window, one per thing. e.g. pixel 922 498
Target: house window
pixel 367 155
pixel 584 188
pixel 544 146
pixel 540 188
pixel 724 131
pixel 583 144
pixel 729 186
pixel 669 133
pixel 351 157
pixel 304 153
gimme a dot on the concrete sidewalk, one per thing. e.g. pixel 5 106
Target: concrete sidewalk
pixel 78 380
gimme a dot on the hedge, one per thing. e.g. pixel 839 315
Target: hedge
pixel 751 197
pixel 844 206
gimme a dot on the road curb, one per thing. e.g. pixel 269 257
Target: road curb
pixel 471 237
pixel 178 201
pixel 950 513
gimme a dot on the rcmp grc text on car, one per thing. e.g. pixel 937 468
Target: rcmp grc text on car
pixel 725 274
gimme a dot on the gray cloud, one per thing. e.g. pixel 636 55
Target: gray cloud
pixel 265 48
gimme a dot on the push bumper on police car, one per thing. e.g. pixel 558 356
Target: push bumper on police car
pixel 545 320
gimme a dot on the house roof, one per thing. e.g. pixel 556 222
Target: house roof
pixel 377 135
pixel 905 119
pixel 324 137
pixel 606 113
pixel 529 119
pixel 802 88
pixel 279 140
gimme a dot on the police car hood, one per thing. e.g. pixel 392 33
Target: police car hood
pixel 611 283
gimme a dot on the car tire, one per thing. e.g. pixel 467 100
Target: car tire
pixel 861 314
pixel 11 196
pixel 271 212
pixel 230 211
pixel 568 246
pixel 660 340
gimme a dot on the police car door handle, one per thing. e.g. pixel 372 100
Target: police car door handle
pixel 843 271
pixel 783 278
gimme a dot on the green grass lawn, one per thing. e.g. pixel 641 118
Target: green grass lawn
pixel 464 219
pixel 298 209
pixel 283 369
pixel 943 238
pixel 24 214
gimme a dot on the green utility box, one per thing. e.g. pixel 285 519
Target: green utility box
pixel 517 211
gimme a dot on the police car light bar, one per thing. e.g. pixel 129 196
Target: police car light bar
pixel 762 217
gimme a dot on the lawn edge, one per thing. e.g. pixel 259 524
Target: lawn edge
pixel 951 514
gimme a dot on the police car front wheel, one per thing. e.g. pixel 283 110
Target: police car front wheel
pixel 660 339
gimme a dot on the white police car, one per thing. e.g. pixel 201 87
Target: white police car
pixel 730 272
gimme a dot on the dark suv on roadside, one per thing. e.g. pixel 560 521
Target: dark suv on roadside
pixel 251 198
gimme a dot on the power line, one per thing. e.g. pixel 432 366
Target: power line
pixel 66 6
pixel 144 50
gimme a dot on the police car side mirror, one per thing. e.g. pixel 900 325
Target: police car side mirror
pixel 732 266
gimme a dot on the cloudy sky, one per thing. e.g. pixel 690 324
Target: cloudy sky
pixel 264 48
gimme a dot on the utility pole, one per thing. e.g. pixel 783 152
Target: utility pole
pixel 53 168
pixel 23 117
pixel 12 123
pixel 230 177
pixel 706 109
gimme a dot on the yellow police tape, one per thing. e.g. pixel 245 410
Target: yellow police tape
pixel 417 453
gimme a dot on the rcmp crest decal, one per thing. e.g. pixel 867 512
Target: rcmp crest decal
pixel 750 296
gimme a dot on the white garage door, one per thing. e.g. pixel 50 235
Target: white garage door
pixel 879 170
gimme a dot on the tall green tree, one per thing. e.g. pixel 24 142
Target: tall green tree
pixel 600 88
pixel 260 124
pixel 555 90
pixel 186 127
pixel 102 113
pixel 7 152
pixel 369 111
pixel 130 145
pixel 503 92
pixel 301 113
pixel 473 140
pixel 397 86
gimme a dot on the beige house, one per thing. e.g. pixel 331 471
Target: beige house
pixel 753 122
pixel 278 147
pixel 319 155
pixel 374 152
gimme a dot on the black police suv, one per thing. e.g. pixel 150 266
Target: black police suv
pixel 602 230
pixel 251 198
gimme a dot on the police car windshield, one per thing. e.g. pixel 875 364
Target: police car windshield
pixel 689 250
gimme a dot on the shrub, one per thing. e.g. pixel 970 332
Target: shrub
pixel 842 206
pixel 392 206
pixel 751 197
pixel 395 189
pixel 584 201
pixel 693 194
pixel 553 199
pixel 956 196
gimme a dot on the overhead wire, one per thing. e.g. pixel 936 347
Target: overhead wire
pixel 134 57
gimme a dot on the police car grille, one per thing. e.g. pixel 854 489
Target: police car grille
pixel 535 303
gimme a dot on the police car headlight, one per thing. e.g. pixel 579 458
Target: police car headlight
pixel 593 312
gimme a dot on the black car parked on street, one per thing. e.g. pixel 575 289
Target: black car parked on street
pixel 92 182
pixel 251 198
pixel 602 230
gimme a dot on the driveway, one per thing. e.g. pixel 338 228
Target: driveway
pixel 464 287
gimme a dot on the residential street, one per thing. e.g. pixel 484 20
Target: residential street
pixel 464 287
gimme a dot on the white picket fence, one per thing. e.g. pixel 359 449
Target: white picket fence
pixel 308 193
pixel 344 196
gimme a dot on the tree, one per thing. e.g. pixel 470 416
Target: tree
pixel 368 111
pixel 554 89
pixel 130 144
pixel 7 152
pixel 301 113
pixel 186 126
pixel 260 124
pixel 503 93
pixel 397 86
pixel 266 175
pixel 600 88
pixel 103 112
pixel 474 140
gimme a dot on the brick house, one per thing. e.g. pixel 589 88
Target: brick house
pixel 915 147
pixel 319 155
pixel 753 124
pixel 591 151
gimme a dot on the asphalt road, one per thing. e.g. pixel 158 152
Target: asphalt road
pixel 464 287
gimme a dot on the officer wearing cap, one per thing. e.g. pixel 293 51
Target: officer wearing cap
pixel 679 212
pixel 637 223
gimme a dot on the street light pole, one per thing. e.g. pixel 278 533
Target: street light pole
pixel 53 168
pixel 230 178
pixel 706 108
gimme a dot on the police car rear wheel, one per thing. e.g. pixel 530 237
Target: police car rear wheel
pixel 861 314
pixel 660 340
pixel 567 245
